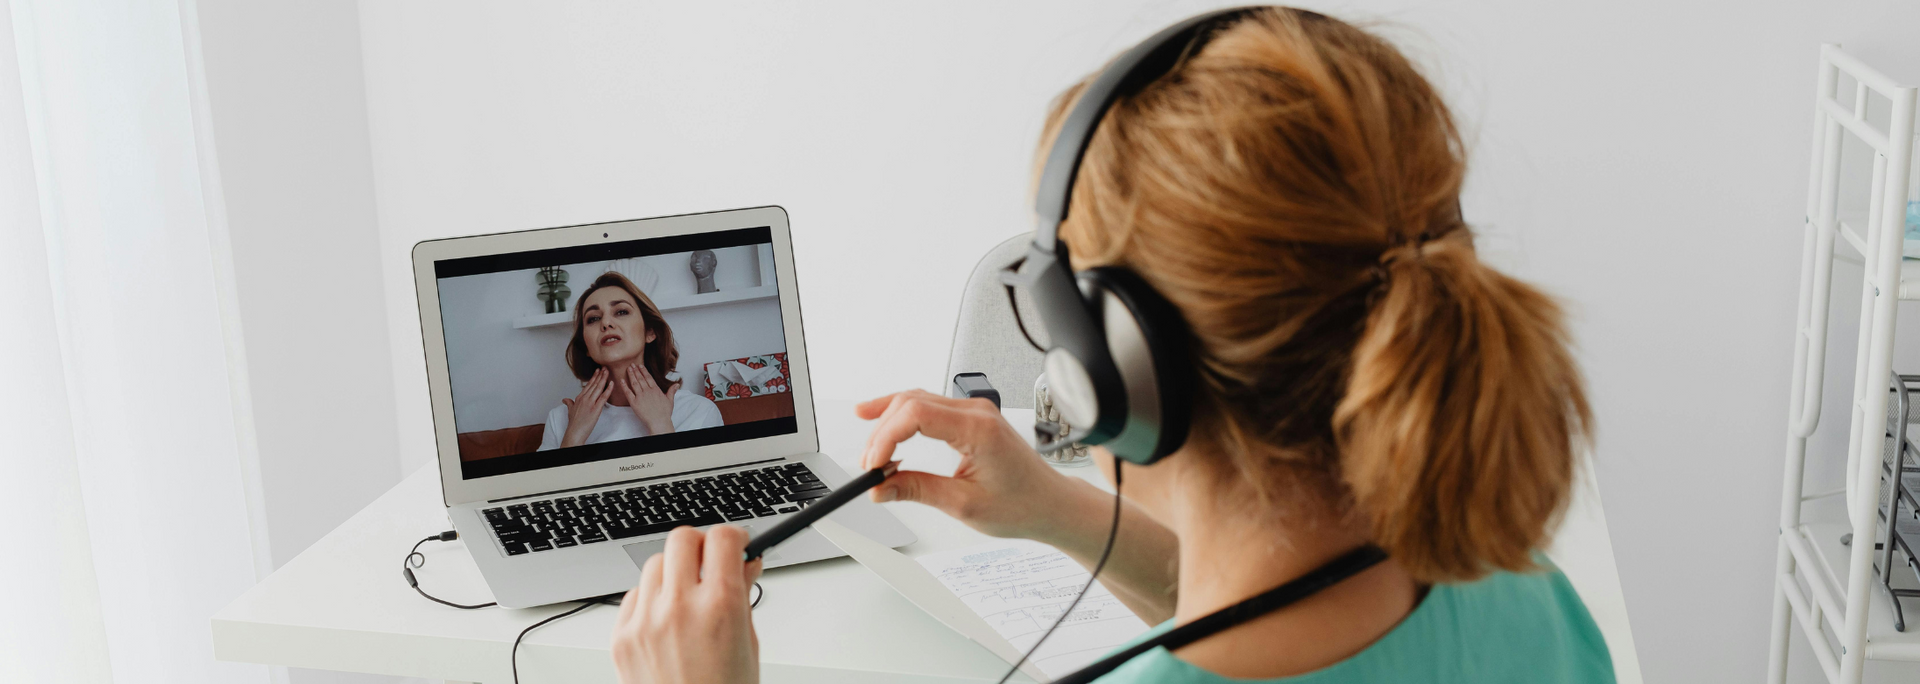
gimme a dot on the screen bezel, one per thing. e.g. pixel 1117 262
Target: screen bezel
pixel 456 489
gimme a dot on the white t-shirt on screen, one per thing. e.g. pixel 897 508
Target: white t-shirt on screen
pixel 690 412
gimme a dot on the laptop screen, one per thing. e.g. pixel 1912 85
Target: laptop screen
pixel 563 356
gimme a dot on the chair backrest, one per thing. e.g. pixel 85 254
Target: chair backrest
pixel 985 337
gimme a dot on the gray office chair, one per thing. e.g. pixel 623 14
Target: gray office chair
pixel 985 337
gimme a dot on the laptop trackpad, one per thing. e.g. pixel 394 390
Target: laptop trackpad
pixel 641 551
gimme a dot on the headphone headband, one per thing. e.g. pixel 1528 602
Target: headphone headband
pixel 1137 405
pixel 1127 75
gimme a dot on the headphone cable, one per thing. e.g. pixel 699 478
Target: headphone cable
pixel 1113 532
pixel 416 559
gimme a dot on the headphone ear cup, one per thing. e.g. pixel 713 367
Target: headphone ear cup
pixel 1150 344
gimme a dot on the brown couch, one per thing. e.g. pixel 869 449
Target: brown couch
pixel 502 442
pixel 526 438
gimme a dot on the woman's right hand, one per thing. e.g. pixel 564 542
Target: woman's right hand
pixel 583 411
pixel 1002 487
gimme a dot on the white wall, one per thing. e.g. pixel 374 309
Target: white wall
pixel 1645 161
pixel 289 117
pixel 504 376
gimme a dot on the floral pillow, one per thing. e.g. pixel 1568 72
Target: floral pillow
pixel 747 377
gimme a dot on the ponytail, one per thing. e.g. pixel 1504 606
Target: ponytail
pixel 1408 386
pixel 1461 414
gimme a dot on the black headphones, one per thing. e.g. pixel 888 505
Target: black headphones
pixel 1119 368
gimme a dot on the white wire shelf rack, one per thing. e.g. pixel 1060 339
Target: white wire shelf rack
pixel 1848 229
pixel 1829 589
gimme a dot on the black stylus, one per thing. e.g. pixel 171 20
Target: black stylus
pixel 817 510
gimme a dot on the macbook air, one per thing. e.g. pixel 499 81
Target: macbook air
pixel 596 386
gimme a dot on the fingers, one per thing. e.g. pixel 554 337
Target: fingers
pixel 753 571
pixel 916 414
pixel 652 574
pixel 875 408
pixel 586 388
pixel 641 378
pixel 649 586
pixel 568 402
pixel 878 408
pixel 682 564
pixel 597 389
pixel 626 388
pixel 886 407
pixel 630 602
pixel 945 493
pixel 725 548
pixel 593 393
pixel 872 408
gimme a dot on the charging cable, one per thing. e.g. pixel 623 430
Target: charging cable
pixel 416 559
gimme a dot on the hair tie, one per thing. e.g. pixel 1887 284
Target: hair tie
pixel 1381 271
pixel 1397 247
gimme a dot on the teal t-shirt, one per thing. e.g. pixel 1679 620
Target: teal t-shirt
pixel 1506 627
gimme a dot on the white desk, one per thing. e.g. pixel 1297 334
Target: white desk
pixel 343 605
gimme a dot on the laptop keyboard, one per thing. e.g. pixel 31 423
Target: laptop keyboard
pixel 565 521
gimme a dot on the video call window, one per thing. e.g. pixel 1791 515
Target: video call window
pixel 579 354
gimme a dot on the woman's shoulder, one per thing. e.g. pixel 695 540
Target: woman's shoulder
pixel 1505 627
pixel 1517 626
pixel 698 400
pixel 694 409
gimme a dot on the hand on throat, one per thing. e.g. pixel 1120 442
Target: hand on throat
pixel 619 397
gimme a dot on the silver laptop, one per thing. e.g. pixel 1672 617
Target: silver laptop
pixel 597 386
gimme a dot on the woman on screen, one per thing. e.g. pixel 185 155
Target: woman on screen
pixel 622 350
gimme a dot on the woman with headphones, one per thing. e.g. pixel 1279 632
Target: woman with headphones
pixel 1341 439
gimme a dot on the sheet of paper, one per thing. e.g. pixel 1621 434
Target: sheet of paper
pixel 1019 588
pixel 925 592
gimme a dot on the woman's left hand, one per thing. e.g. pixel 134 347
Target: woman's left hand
pixel 688 622
pixel 652 405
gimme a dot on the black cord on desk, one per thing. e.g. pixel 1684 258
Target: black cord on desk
pixel 514 657
pixel 416 559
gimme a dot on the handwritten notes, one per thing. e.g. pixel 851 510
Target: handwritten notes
pixel 1019 588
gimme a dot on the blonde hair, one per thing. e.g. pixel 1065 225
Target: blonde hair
pixel 1293 189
